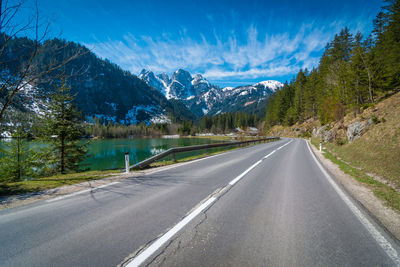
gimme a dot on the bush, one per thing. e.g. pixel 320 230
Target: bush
pixel 306 135
pixel 375 120
pixel 340 141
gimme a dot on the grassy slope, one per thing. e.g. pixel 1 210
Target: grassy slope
pixel 375 153
pixel 382 191
pixel 378 150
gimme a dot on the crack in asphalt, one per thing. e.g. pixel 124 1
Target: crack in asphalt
pixel 218 194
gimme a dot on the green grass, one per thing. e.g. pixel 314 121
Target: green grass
pixel 382 191
pixel 40 184
pixel 45 183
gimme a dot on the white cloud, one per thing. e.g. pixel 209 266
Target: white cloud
pixel 256 56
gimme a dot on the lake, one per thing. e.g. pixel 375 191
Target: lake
pixel 110 153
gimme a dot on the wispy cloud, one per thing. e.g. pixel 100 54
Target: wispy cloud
pixel 254 56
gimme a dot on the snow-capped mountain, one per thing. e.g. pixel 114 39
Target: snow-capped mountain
pixel 181 85
pixel 159 82
pixel 203 98
pixel 270 84
pixel 251 98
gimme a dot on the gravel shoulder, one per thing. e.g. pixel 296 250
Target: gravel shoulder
pixel 389 218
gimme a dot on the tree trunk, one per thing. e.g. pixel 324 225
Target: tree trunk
pixel 62 154
pixel 371 95
pixel 18 158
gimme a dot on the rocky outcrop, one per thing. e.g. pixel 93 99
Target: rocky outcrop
pixel 331 133
pixel 320 132
pixel 354 131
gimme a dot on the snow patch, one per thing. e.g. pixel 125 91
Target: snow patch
pixel 271 84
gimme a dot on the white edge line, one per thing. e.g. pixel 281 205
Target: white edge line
pixel 142 257
pixel 80 192
pixel 379 238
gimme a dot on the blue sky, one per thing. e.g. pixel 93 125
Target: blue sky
pixel 229 42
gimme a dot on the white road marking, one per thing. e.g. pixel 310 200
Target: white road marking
pixel 270 153
pixel 284 145
pixel 379 238
pixel 189 162
pixel 196 160
pixel 164 169
pixel 80 192
pixel 142 257
pixel 234 181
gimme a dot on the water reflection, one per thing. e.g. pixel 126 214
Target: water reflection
pixel 109 153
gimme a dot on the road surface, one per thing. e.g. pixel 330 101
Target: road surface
pixel 269 204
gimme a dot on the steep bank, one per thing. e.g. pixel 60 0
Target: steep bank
pixel 368 142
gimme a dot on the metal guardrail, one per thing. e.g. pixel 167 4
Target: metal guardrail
pixel 174 150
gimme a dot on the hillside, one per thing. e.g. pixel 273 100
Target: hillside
pixel 102 89
pixel 354 94
pixel 369 141
pixel 377 151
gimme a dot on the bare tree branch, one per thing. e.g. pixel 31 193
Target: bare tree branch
pixel 27 72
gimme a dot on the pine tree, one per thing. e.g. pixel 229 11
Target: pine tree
pixel 63 130
pixel 18 160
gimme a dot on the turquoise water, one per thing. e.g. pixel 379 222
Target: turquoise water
pixel 107 154
pixel 110 153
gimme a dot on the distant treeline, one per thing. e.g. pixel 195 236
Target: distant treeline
pixel 225 123
pixel 353 73
pixel 218 124
pixel 110 130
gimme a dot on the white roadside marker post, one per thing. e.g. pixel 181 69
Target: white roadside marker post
pixel 320 146
pixel 127 162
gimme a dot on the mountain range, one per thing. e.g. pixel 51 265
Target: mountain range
pixel 107 92
pixel 203 98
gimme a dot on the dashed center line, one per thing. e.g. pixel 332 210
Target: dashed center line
pixel 142 257
pixel 145 254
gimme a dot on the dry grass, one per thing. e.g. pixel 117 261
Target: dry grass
pixel 378 150
pixel 390 196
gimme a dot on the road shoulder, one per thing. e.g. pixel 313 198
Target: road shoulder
pixel 389 218
pixel 30 198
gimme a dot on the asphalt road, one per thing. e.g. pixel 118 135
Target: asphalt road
pixel 282 212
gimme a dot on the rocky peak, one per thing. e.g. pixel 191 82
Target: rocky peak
pixel 152 80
